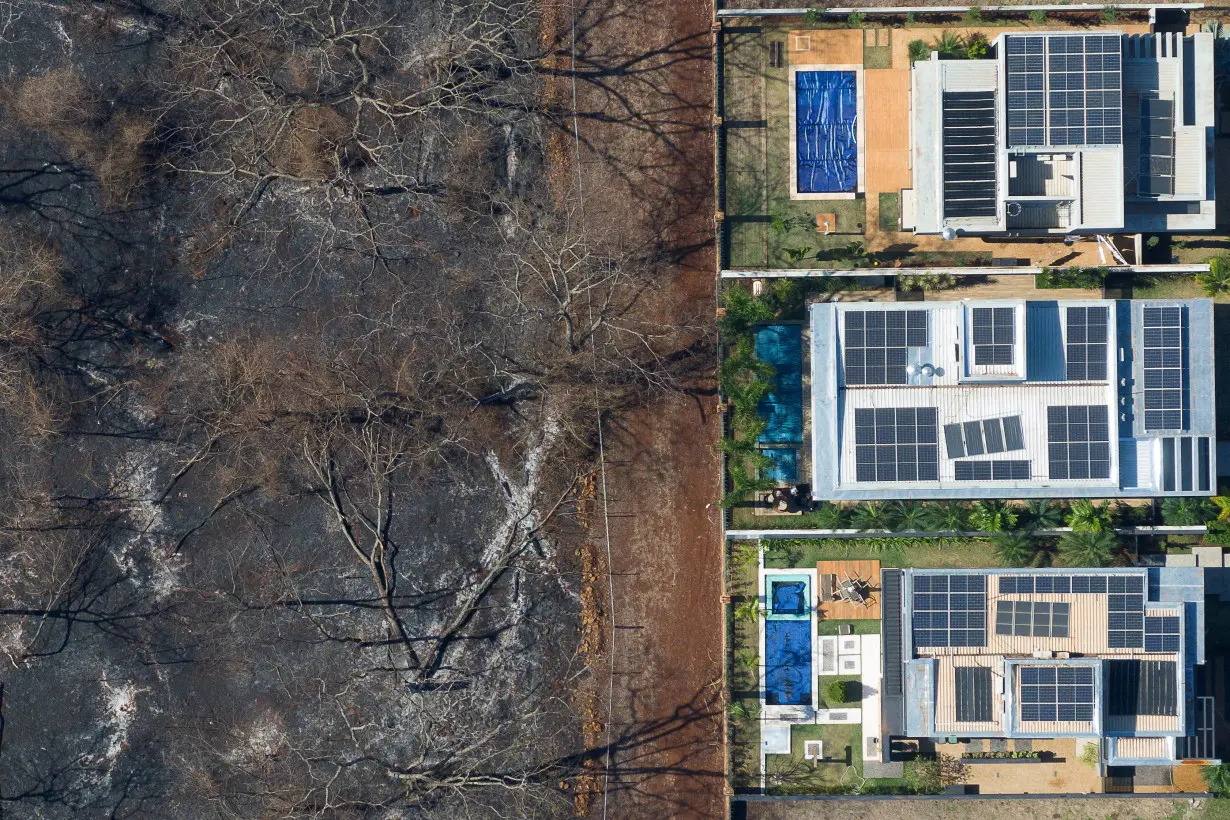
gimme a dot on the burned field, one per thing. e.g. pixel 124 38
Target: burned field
pixel 301 367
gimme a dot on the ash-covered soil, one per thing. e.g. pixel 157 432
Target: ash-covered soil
pixel 300 363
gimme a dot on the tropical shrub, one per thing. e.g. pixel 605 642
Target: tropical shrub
pixel 1086 516
pixel 1037 17
pixel 1043 514
pixel 1187 511
pixel 872 515
pixel 947 516
pixel 1087 549
pixel 1217 280
pixel 927 281
pixel 977 47
pixel 919 50
pixel 1014 549
pixel 993 517
pixel 1217 778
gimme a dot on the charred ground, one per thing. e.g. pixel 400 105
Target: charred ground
pixel 301 360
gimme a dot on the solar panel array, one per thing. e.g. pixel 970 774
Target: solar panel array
pixel 950 610
pixel 994 335
pixel 896 444
pixel 969 153
pixel 1164 369
pixel 975 438
pixel 1070 584
pixel 876 344
pixel 1126 618
pixel 1086 343
pixel 1156 147
pixel 992 470
pixel 1038 619
pixel 1051 693
pixel 1162 633
pixel 1078 441
pixel 1064 90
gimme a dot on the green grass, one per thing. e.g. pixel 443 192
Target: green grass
pixel 841 743
pixel 877 57
pixel 890 212
pixel 854 690
pixel 863 626
pixel 922 553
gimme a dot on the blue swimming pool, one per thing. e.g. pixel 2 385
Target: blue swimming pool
pixel 782 409
pixel 783 464
pixel 788 672
pixel 788 597
pixel 826 109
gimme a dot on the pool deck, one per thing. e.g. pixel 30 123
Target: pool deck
pixel 869 571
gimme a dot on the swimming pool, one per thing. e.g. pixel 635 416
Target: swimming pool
pixel 826 131
pixel 788 640
pixel 782 409
pixel 783 464
pixel 788 671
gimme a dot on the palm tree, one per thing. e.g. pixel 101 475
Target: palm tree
pixel 749 610
pixel 1217 778
pixel 829 516
pixel 1223 507
pixel 1014 549
pixel 742 711
pixel 1087 549
pixel 1044 514
pixel 1185 511
pixel 871 515
pixel 1217 280
pixel 946 516
pixel 1085 516
pixel 919 50
pixel 993 517
pixel 909 515
pixel 748 660
pixel 950 45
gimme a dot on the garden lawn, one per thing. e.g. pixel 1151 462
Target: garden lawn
pixel 791 774
pixel 928 553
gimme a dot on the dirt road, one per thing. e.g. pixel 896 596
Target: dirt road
pixel 644 94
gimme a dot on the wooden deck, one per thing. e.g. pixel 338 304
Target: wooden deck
pixel 869 572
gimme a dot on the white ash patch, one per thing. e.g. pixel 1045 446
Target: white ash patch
pixel 148 559
pixel 121 710
pixel 263 741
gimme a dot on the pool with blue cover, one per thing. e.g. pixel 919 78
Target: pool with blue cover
pixel 788 672
pixel 788 640
pixel 782 409
pixel 826 114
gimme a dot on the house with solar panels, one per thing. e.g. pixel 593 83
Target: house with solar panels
pixel 1106 655
pixel 1012 399
pixel 1063 133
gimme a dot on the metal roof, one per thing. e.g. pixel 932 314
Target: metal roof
pixel 1125 122
pixel 1008 399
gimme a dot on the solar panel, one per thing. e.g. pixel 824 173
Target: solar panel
pixel 969 153
pixel 1064 90
pixel 1056 694
pixel 1165 382
pixel 994 331
pixel 1156 146
pixel 1039 619
pixel 896 444
pixel 1162 634
pixel 1078 442
pixel 992 470
pixel 876 344
pixel 972 685
pixel 1086 343
pixel 949 610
